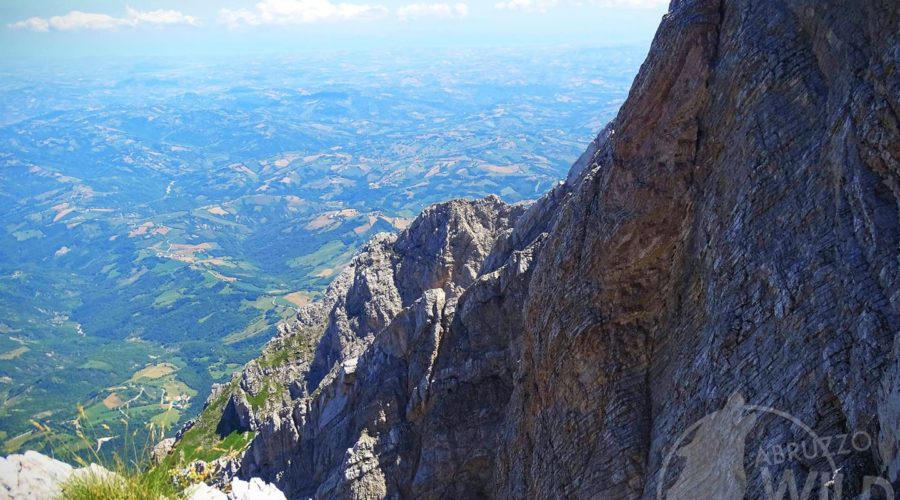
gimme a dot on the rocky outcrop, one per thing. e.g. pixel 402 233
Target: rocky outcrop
pixel 37 476
pixel 727 247
pixel 237 416
pixel 34 475
pixel 372 365
pixel 161 450
pixel 255 489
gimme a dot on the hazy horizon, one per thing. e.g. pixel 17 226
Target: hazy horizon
pixel 49 30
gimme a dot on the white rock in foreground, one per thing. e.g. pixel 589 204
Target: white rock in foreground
pixel 32 475
pixel 255 489
pixel 35 476
pixel 203 491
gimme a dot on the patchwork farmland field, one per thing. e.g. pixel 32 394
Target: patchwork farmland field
pixel 155 228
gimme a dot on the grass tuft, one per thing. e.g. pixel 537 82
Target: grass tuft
pixel 122 484
pixel 119 476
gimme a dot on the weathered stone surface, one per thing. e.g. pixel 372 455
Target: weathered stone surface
pixel 32 475
pixel 255 489
pixel 161 450
pixel 203 491
pixel 238 414
pixel 37 476
pixel 732 236
pixel 373 363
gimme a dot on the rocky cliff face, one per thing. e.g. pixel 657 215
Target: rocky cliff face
pixel 345 408
pixel 727 251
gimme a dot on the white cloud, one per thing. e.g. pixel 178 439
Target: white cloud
pixel 85 20
pixel 527 5
pixel 417 10
pixel 160 17
pixel 32 23
pixel 77 20
pixel 296 12
pixel 544 5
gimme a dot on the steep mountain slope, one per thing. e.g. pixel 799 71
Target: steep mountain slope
pixel 730 240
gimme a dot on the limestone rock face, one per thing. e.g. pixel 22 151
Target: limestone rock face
pixel 203 491
pixel 731 241
pixel 37 476
pixel 161 450
pixel 32 475
pixel 255 489
pixel 345 431
pixel 238 414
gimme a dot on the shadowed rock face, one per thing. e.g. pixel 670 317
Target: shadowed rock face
pixel 734 230
pixel 354 432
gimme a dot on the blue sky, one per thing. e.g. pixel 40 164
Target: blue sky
pixel 34 29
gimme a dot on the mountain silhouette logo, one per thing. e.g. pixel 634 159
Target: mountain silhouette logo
pixel 713 459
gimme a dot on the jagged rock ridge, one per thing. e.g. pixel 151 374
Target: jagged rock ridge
pixel 734 230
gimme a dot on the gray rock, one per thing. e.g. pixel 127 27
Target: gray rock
pixel 203 491
pixel 161 450
pixel 237 415
pixel 32 475
pixel 255 489
pixel 37 476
